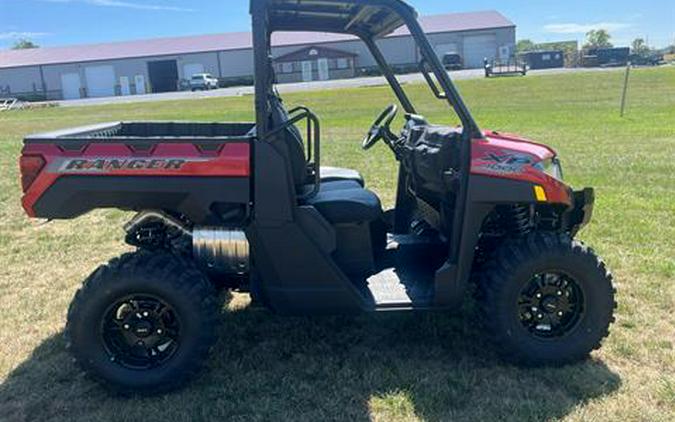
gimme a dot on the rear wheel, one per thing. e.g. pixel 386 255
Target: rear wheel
pixel 144 323
pixel 547 300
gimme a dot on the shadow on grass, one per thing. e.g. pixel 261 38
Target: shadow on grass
pixel 268 367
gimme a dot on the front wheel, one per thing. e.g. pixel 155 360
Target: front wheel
pixel 547 300
pixel 144 323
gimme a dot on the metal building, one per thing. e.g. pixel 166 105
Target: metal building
pixel 160 65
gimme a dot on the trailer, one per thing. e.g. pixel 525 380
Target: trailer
pixel 505 67
pixel 546 59
pixel 606 57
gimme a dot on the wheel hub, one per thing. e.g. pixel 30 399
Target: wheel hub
pixel 550 305
pixel 140 332
pixel 143 329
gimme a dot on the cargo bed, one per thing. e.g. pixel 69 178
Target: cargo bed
pixel 185 166
pixel 149 132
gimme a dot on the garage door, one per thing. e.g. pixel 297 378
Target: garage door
pixel 70 86
pixel 192 69
pixel 477 48
pixel 100 81
pixel 443 49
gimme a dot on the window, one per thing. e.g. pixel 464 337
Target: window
pixel 342 63
pixel 546 57
pixel 287 67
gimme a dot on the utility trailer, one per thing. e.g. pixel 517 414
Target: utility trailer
pixel 249 207
pixel 509 67
pixel 7 104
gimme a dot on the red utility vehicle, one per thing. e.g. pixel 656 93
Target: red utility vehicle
pixel 248 206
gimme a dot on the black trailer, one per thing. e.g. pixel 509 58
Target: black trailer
pixel 606 57
pixel 509 67
pixel 648 59
pixel 548 59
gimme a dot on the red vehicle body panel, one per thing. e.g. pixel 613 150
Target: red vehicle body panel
pixel 512 157
pixel 117 159
pixel 496 155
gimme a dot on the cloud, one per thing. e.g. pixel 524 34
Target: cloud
pixel 127 5
pixel 578 28
pixel 15 35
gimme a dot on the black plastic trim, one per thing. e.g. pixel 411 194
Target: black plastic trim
pixel 72 196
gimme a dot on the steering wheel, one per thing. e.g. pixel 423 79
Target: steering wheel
pixel 380 129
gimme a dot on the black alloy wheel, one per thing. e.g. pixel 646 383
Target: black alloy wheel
pixel 140 332
pixel 550 305
pixel 546 299
pixel 144 323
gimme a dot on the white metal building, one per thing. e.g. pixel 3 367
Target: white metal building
pixel 160 65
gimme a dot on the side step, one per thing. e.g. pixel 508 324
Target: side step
pixel 406 280
pixel 391 290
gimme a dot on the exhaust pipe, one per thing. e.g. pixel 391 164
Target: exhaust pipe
pixel 217 250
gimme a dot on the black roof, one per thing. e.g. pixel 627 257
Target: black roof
pixel 372 18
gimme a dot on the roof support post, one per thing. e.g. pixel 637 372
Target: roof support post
pixel 389 74
pixel 261 51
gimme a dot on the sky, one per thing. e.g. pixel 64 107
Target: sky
pixel 66 22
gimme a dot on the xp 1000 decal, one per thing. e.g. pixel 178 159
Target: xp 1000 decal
pixel 504 163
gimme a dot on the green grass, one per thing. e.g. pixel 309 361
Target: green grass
pixel 376 367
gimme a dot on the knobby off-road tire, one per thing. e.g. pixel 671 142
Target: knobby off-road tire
pixel 505 278
pixel 189 309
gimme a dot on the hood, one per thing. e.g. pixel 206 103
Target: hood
pixel 512 157
pixel 513 144
pixel 506 155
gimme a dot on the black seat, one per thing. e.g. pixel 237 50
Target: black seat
pixel 341 203
pixel 336 174
pixel 296 150
pixel 342 198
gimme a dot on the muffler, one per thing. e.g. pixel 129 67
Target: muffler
pixel 220 250
pixel 217 250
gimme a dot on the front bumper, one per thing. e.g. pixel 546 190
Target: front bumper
pixel 582 210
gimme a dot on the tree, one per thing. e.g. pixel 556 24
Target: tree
pixel 23 44
pixel 525 45
pixel 639 46
pixel 598 38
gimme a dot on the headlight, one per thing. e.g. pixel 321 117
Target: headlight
pixel 552 167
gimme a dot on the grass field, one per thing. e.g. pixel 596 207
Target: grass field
pixel 384 367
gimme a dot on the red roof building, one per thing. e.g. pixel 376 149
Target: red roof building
pixel 123 68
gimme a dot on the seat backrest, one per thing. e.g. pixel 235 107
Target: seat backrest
pixel 293 139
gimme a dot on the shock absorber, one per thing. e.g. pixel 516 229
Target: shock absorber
pixel 519 218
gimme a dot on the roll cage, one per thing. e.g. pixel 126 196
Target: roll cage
pixel 368 20
pixel 365 19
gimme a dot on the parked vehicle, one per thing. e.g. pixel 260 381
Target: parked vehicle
pixel 248 206
pixel 648 59
pixel 203 82
pixel 453 61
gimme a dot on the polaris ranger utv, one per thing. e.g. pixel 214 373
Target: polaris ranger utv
pixel 248 206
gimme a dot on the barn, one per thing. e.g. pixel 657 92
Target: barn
pixel 164 64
